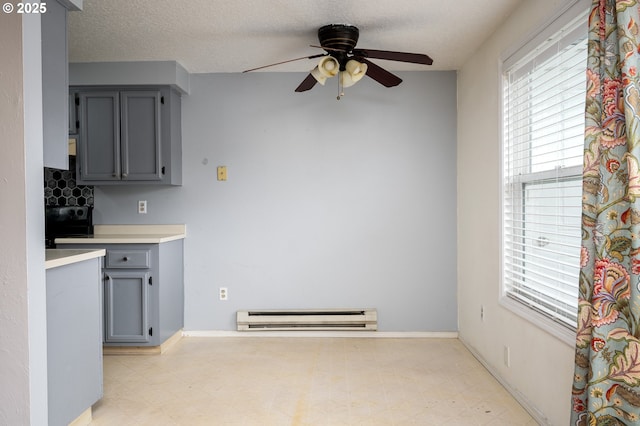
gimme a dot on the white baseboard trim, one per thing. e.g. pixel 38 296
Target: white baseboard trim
pixel 538 416
pixel 345 334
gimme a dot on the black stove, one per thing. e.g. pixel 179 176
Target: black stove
pixel 67 221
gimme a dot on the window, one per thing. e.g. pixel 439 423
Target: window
pixel 543 119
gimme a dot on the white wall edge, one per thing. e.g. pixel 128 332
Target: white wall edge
pixel 344 334
pixel 537 415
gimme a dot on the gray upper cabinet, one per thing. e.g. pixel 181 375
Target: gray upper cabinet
pixel 128 136
pixel 55 86
pixel 140 132
pixel 99 150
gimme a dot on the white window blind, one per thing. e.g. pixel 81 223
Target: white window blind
pixel 544 96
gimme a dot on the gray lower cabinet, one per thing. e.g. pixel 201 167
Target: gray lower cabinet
pixel 126 308
pixel 127 136
pixel 143 292
pixel 74 339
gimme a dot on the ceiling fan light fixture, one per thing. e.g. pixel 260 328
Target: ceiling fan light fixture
pixel 354 71
pixel 329 66
pixel 320 78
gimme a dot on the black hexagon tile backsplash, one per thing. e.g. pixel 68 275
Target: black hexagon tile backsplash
pixel 60 188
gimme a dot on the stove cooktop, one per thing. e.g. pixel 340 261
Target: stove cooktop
pixel 67 221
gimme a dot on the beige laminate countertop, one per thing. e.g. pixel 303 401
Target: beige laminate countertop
pixel 129 234
pixel 61 257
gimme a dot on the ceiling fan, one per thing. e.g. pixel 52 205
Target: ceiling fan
pixel 342 59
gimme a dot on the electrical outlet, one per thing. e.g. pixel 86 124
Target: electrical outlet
pixel 142 207
pixel 223 293
pixel 222 173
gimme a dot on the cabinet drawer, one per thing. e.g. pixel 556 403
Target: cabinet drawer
pixel 128 259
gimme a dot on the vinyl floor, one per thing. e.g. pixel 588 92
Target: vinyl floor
pixel 300 381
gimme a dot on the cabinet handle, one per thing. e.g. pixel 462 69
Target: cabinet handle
pixel 115 175
pixel 125 259
pixel 124 175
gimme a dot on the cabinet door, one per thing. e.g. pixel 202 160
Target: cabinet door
pixel 99 148
pixel 126 299
pixel 74 339
pixel 55 86
pixel 140 133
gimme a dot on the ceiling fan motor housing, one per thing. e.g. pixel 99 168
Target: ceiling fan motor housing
pixel 338 40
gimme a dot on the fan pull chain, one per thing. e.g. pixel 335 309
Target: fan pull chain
pixel 340 88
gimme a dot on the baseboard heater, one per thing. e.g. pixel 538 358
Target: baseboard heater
pixel 308 319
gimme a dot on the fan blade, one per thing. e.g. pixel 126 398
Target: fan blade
pixel 284 62
pixel 307 84
pixel 381 75
pixel 414 58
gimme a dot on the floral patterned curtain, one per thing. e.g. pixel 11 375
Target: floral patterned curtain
pixel 606 389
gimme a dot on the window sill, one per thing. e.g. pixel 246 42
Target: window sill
pixel 555 329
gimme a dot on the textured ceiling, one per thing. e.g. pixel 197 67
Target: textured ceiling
pixel 233 35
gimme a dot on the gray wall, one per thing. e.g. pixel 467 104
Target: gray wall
pixel 348 203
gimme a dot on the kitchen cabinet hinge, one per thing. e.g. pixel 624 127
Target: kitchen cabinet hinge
pixel 77 100
pixel 150 331
pixel 150 281
pixel 162 169
pixel 77 124
pixel 162 100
